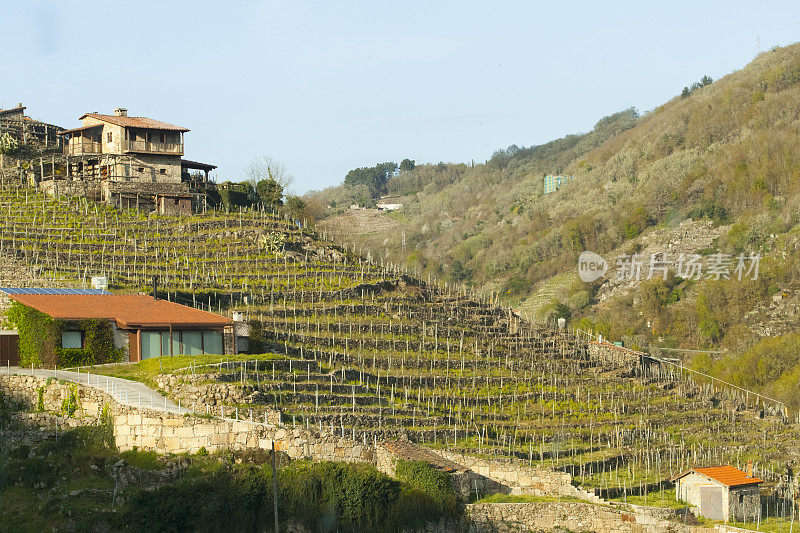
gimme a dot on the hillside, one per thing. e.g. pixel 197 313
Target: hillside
pixel 723 154
pixel 374 354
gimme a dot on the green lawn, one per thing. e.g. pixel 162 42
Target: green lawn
pixel 145 371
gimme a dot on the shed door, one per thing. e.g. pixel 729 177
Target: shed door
pixel 711 502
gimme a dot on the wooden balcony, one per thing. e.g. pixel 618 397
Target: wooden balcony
pixel 81 148
pixel 146 147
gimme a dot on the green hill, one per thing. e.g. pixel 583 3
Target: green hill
pixel 725 151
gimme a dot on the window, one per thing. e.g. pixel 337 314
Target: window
pixel 163 138
pixel 140 169
pixel 110 137
pixel 741 497
pixel 163 171
pixel 71 339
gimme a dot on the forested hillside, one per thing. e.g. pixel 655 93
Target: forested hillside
pixel 725 152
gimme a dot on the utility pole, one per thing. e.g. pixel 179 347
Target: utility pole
pixel 275 486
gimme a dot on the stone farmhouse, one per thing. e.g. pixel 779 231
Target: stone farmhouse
pixel 128 162
pixel 143 326
pixel 721 492
pixel 21 129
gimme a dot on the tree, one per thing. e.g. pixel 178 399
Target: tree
pixel 686 92
pixel 269 178
pixel 407 165
pixel 295 206
pixel 374 178
pixel 270 192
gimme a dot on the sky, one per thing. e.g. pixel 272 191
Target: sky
pixel 324 87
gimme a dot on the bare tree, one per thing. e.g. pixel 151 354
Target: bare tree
pixel 264 168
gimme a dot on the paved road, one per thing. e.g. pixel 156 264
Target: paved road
pixel 124 391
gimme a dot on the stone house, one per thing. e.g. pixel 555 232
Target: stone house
pixel 143 326
pixel 23 129
pixel 134 162
pixel 721 492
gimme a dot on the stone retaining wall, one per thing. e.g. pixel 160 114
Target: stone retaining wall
pixel 614 355
pixel 547 516
pixel 519 478
pixel 162 432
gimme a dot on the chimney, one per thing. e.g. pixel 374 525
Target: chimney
pixel 121 112
pixel 19 105
pixel 749 468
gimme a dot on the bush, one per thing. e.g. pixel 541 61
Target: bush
pixel 322 496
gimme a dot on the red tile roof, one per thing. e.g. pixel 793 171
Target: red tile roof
pixel 727 475
pixel 128 310
pixel 135 122
pixel 73 130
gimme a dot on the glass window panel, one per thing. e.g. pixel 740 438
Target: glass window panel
pixel 212 342
pixel 151 344
pixel 165 342
pixel 177 349
pixel 192 342
pixel 71 339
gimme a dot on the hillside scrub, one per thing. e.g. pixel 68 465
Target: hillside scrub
pixel 725 151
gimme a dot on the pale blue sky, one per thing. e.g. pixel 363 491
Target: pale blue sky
pixel 324 87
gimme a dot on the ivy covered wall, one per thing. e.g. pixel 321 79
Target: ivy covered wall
pixel 40 339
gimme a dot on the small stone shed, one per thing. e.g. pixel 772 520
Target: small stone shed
pixel 721 492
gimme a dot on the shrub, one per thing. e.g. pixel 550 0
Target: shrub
pixel 70 404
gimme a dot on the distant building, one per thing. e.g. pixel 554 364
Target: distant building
pixel 144 326
pixel 721 492
pixel 389 203
pixel 553 183
pixel 131 162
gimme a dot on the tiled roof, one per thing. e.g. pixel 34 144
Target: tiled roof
pixel 128 310
pixel 135 122
pixel 727 475
pixel 73 130
pixel 12 110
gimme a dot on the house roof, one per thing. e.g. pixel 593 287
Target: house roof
pixel 73 130
pixel 727 475
pixel 128 310
pixel 11 110
pixel 186 163
pixel 135 122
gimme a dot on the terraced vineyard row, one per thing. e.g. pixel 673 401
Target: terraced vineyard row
pixel 374 353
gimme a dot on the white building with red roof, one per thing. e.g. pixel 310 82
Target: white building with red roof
pixel 721 492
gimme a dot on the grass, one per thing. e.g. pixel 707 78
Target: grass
pixel 143 460
pixel 145 371
pixel 664 498
pixel 509 498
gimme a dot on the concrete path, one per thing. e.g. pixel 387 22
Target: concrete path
pixel 124 391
